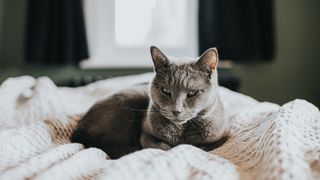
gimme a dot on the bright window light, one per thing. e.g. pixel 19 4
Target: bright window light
pixel 143 22
pixel 120 32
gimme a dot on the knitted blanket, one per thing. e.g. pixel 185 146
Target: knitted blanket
pixel 267 141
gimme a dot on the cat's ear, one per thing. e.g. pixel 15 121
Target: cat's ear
pixel 208 61
pixel 160 60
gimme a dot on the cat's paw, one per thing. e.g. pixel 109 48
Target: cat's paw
pixel 214 145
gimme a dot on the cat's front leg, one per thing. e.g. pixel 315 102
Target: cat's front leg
pixel 149 141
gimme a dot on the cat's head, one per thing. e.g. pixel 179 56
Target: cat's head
pixel 184 90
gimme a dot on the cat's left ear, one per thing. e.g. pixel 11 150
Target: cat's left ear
pixel 209 59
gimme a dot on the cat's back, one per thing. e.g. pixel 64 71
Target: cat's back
pixel 114 124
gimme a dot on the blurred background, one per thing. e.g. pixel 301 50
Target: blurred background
pixel 268 49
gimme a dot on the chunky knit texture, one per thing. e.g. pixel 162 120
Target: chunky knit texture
pixel 267 141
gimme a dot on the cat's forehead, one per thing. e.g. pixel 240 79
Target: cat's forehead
pixel 187 78
pixel 183 74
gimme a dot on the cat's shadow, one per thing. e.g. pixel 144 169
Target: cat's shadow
pixel 212 146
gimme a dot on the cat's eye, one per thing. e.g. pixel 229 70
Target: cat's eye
pixel 192 93
pixel 166 91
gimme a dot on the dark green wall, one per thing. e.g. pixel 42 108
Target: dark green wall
pixel 1 16
pixel 293 73
pixel 12 28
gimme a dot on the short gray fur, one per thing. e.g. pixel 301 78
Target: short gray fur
pixel 176 118
pixel 181 105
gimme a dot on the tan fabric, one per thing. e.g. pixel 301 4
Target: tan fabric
pixel 266 141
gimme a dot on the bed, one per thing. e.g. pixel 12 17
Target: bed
pixel 267 141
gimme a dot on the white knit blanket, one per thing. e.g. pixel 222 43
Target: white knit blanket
pixel 267 141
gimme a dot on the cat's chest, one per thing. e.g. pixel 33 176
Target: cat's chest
pixel 197 132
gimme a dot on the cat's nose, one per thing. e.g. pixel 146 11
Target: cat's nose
pixel 176 113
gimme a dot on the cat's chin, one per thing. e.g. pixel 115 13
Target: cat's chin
pixel 180 122
pixel 176 120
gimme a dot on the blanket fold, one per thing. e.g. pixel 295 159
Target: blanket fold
pixel 267 141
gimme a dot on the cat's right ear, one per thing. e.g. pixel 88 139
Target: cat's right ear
pixel 160 60
pixel 208 61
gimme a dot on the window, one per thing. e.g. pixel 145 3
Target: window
pixel 120 32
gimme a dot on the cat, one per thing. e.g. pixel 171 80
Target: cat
pixel 185 106
pixel 181 105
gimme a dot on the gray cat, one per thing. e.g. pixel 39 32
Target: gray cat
pixel 183 106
